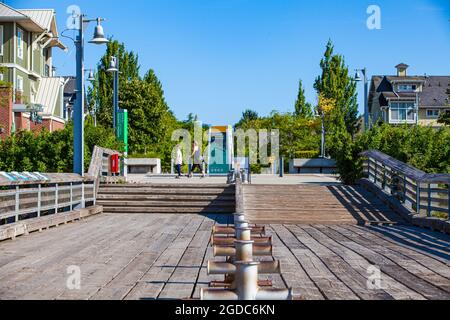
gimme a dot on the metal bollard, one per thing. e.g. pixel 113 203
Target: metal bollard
pixel 258 250
pixel 231 230
pixel 229 241
pixel 243 233
pixel 246 287
pixel 226 268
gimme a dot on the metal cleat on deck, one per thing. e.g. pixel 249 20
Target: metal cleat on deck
pixel 231 230
pixel 240 271
pixel 247 287
pixel 229 240
pixel 241 276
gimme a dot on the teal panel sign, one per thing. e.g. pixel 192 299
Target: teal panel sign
pixel 122 128
pixel 219 150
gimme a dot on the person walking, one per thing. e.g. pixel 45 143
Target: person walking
pixel 178 161
pixel 197 160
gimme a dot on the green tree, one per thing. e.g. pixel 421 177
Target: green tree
pixel 303 109
pixel 150 120
pixel 51 152
pixel 102 90
pixel 247 116
pixel 335 83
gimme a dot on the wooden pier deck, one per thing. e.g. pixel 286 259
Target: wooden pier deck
pixel 163 256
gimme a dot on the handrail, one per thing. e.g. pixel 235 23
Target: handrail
pixel 50 193
pixel 407 170
pixel 416 190
pixel 33 199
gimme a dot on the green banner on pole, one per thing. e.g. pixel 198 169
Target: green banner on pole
pixel 122 128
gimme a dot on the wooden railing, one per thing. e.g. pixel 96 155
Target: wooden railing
pixel 32 195
pixel 33 198
pixel 99 167
pixel 422 193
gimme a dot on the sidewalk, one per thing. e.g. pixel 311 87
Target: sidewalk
pixel 319 179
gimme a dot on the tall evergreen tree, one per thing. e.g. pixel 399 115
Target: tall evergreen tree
pixel 150 121
pixel 335 83
pixel 102 90
pixel 303 109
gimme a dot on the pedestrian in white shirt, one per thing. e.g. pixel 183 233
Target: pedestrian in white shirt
pixel 197 160
pixel 178 161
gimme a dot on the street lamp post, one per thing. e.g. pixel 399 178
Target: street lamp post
pixel 93 111
pixel 78 113
pixel 322 136
pixel 114 69
pixel 366 95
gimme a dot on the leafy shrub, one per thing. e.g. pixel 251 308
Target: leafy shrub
pixel 51 152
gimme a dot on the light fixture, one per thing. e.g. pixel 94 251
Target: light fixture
pixel 91 76
pixel 357 77
pixel 112 65
pixel 99 35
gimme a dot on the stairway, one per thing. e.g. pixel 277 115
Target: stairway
pixel 314 204
pixel 167 198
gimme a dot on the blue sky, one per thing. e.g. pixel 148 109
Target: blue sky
pixel 217 58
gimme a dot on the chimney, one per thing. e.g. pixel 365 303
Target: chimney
pixel 401 69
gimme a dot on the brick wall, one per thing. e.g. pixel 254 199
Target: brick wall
pixel 22 122
pixel 49 124
pixel 5 111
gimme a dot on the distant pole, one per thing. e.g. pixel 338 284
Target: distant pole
pixel 322 139
pixel 366 96
pixel 114 69
pixel 281 167
pixel 366 102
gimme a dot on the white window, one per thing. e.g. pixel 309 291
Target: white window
pixel 19 43
pixel 402 112
pixel 433 113
pixel 406 87
pixel 1 40
pixel 19 84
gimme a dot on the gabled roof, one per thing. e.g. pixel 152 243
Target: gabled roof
pixel 34 20
pixel 8 13
pixel 48 94
pixel 435 91
pixel 42 17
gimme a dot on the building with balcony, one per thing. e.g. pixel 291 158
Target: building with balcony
pixel 27 40
pixel 403 99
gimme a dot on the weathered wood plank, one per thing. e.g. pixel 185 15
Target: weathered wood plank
pixel 389 267
pixel 339 267
pixel 332 239
pixel 154 280
pixel 328 283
